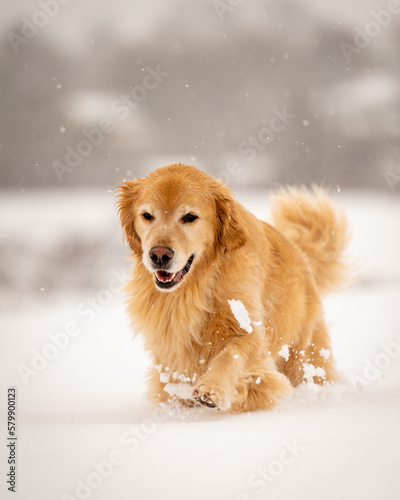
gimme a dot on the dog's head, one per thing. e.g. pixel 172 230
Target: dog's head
pixel 176 219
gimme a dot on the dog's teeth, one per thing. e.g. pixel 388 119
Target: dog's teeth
pixel 163 280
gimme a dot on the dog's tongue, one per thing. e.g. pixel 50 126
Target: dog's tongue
pixel 178 275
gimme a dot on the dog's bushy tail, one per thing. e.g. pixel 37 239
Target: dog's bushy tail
pixel 309 220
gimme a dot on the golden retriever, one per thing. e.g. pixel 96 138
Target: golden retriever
pixel 229 306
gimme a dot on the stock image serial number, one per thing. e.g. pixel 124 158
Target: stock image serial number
pixel 12 439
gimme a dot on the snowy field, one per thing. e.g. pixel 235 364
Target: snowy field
pixel 84 427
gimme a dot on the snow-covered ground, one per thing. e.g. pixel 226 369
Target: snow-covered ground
pixel 84 427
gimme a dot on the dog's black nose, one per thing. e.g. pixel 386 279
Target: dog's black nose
pixel 161 256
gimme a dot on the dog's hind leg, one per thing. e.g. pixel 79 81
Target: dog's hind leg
pixel 310 360
pixel 319 355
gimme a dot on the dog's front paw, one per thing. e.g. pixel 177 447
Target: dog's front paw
pixel 210 397
pixel 205 396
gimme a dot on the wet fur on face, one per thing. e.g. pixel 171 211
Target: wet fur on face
pixel 194 248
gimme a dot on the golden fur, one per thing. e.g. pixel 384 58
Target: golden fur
pixel 279 274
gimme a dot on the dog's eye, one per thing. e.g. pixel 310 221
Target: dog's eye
pixel 147 216
pixel 189 218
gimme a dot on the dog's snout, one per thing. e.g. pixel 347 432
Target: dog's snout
pixel 161 256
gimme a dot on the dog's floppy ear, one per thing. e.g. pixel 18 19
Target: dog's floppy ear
pixel 230 234
pixel 128 193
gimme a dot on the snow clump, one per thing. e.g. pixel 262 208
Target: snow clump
pixel 241 315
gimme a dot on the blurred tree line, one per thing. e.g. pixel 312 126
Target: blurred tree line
pixel 224 82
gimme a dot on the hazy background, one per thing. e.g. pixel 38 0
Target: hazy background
pixel 230 64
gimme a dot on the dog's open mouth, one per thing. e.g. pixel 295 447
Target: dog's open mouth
pixel 168 280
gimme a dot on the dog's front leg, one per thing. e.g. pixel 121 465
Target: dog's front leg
pixel 242 377
pixel 218 387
